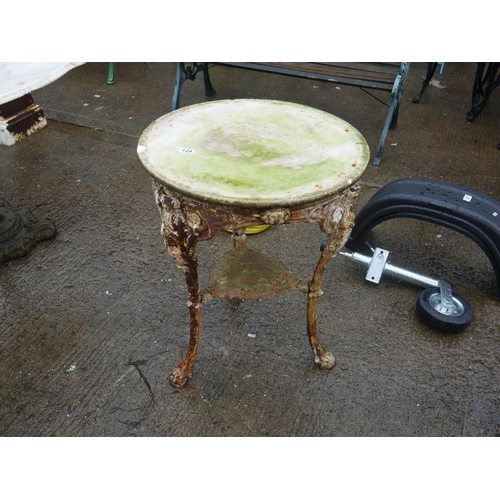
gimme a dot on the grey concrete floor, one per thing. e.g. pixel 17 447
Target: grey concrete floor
pixel 91 315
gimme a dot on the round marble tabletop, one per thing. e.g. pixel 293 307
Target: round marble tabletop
pixel 253 153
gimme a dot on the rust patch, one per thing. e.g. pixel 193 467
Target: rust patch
pixel 243 273
pixel 249 275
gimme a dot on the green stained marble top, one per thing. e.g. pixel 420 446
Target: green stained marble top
pixel 253 153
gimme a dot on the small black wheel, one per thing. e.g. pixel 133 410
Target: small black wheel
pixel 448 319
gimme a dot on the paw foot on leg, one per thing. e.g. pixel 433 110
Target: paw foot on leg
pixel 326 361
pixel 179 378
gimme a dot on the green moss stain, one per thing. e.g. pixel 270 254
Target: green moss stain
pixel 258 152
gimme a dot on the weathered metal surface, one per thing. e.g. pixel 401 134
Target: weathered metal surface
pixel 20 230
pixel 249 274
pixel 336 218
pixel 179 231
pixel 186 221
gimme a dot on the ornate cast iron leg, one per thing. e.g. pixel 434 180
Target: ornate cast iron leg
pixel 323 358
pixel 336 219
pixel 179 230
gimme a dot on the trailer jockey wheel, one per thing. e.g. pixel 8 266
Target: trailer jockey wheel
pixel 433 311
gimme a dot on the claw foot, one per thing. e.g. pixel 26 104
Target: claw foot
pixel 179 378
pixel 326 361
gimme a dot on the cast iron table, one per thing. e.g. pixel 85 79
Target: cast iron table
pixel 234 164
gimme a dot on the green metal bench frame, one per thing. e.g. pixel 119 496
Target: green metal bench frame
pixel 389 77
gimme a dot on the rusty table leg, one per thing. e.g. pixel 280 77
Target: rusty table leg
pixel 181 238
pixel 337 220
pixel 185 222
pixel 184 371
pixel 183 225
pixel 322 358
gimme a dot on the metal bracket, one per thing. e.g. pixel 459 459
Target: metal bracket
pixel 446 294
pixel 377 265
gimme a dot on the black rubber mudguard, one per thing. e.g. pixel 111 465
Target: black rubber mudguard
pixel 469 212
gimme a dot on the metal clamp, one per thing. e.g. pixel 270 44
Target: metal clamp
pixel 378 265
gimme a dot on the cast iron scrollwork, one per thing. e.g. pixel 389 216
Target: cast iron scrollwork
pixel 189 72
pixel 186 221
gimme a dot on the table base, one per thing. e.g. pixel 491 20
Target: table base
pixel 20 230
pixel 245 273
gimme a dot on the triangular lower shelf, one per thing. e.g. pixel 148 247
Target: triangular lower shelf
pixel 249 274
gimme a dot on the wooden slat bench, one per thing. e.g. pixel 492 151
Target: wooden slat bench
pixel 388 77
